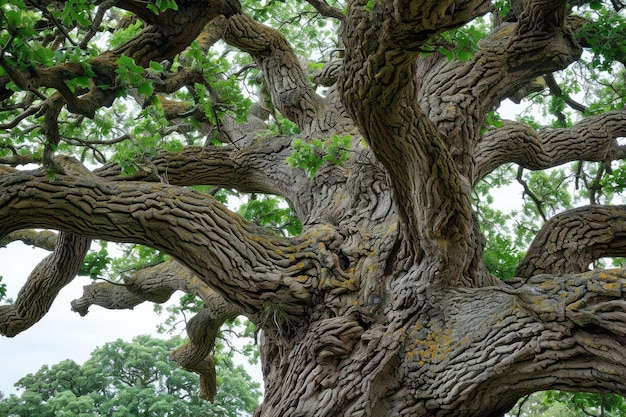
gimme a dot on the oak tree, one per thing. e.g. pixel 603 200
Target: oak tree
pixel 129 379
pixel 377 121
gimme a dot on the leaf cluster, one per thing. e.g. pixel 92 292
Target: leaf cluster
pixel 569 404
pixel 310 155
pixel 271 212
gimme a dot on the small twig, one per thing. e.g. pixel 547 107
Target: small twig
pixel 46 13
pixel 93 29
pixel 557 92
pixel 529 193
pixel 521 405
pixel 19 118
pixel 325 9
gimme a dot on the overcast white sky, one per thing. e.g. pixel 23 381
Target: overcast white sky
pixel 61 334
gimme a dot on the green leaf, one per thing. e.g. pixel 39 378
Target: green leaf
pixel 146 89
pixel 155 66
pixel 595 5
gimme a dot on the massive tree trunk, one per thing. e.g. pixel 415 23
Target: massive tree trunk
pixel 382 306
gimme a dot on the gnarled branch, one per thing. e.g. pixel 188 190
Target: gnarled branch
pixel 290 90
pixel 249 265
pixel 570 241
pixel 43 284
pixel 592 139
pixel 380 89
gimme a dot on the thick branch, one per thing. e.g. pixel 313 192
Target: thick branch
pixel 196 355
pixel 594 138
pixel 258 168
pixel 43 239
pixel 43 284
pixel 290 90
pixel 155 283
pixel 458 95
pixel 170 32
pixel 379 89
pixel 570 241
pixel 494 345
pixel 247 264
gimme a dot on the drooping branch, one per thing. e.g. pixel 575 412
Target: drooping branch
pixel 592 139
pixel 570 241
pixel 248 265
pixel 202 329
pixel 44 239
pixel 43 284
pixel 157 284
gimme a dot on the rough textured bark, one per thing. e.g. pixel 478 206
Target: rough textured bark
pixel 383 306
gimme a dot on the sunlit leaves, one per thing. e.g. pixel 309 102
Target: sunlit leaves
pixel 77 12
pixel 3 289
pixel 17 35
pixel 300 23
pixel 460 43
pixel 145 141
pixel 132 74
pixel 96 263
pixel 223 93
pixel 123 35
pixel 502 251
pixel 271 212
pixel 161 6
pixel 135 257
pixel 312 154
pixel 605 35
pixel 615 181
pixel 585 404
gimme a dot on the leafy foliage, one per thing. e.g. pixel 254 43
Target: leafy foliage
pixel 129 379
pixel 271 212
pixel 96 262
pixel 502 250
pixel 604 34
pixel 566 404
pixel 312 154
pixel 3 289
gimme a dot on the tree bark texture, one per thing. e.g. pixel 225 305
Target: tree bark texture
pixel 382 306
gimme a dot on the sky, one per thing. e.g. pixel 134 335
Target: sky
pixel 63 334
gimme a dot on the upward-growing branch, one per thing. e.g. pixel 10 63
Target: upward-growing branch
pixel 380 90
pixel 290 90
pixel 457 95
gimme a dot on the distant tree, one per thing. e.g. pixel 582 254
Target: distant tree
pixel 130 379
pixel 569 404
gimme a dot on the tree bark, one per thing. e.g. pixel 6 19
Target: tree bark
pixel 383 305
